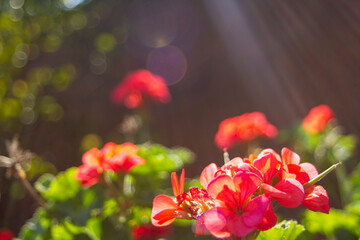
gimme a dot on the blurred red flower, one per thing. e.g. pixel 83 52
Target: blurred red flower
pixel 243 128
pixel 317 119
pixel 148 232
pixel 111 157
pixel 138 85
pixel 6 234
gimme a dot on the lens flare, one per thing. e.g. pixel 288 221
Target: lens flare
pixel 168 62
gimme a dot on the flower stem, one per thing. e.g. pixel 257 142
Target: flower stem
pixel 226 157
pixel 112 190
pixel 22 176
pixel 321 175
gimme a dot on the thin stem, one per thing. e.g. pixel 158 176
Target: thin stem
pixel 321 175
pixel 112 190
pixel 226 157
pixel 22 176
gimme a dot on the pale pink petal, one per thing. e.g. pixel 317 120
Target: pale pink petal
pixel 200 228
pixel 216 222
pixel 255 210
pixel 316 199
pixel 309 169
pixel 288 192
pixel 289 157
pixel 236 225
pixel 208 174
pixel 234 163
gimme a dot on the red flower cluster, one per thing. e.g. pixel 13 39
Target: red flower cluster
pixel 243 128
pixel 111 157
pixel 138 85
pixel 6 234
pixel 149 232
pixel 236 198
pixel 317 119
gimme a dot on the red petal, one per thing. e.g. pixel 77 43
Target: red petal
pixel 130 148
pixel 316 199
pixel 246 183
pixel 268 221
pixel 289 157
pixel 222 188
pixel 267 164
pixel 182 181
pixel 92 157
pixel 208 174
pixel 300 174
pixel 132 161
pixel 175 184
pixel 163 211
pixel 288 192
pixel 309 169
pixel 272 152
pixel 256 210
pixel 247 167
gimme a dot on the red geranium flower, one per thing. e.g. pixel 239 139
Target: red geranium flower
pixel 139 85
pixel 317 119
pixel 292 175
pixel 165 209
pixel 6 234
pixel 148 232
pixel 90 172
pixel 191 205
pixel 121 157
pixel 237 212
pixel 111 157
pixel 243 128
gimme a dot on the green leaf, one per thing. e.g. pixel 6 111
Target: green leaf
pixel 59 232
pixel 285 230
pixel 335 220
pixel 38 227
pixel 85 204
pixel 110 207
pixel 60 188
pixel 93 228
pixel 161 159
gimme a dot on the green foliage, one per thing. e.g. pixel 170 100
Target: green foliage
pixel 355 181
pixel 61 188
pixel 285 230
pixel 77 212
pixel 332 223
pixel 160 159
pixel 37 228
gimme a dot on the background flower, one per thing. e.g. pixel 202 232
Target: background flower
pixel 317 118
pixel 139 85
